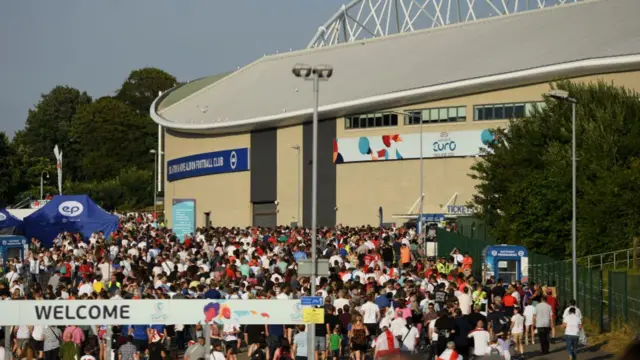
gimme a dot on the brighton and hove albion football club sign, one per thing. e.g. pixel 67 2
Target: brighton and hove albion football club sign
pixel 217 162
pixel 126 312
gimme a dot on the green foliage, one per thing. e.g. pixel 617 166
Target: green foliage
pixel 131 189
pixel 111 136
pixel 50 123
pixel 524 190
pixel 142 87
pixel 105 144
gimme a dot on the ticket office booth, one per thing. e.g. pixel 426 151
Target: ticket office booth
pixel 13 246
pixel 508 262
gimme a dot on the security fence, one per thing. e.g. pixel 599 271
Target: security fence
pixel 624 298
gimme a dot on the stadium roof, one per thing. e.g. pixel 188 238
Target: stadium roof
pixel 580 39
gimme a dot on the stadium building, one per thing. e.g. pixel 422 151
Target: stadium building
pixel 239 144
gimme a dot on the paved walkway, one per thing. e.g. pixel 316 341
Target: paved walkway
pixel 591 352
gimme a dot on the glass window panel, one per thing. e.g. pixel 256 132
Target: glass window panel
pixel 434 116
pixel 528 109
pixel 462 111
pixel 355 122
pixel 443 114
pixel 347 123
pixel 394 119
pixel 370 121
pixel 519 110
pixel 379 120
pixel 452 112
pixel 416 117
pixel 479 113
pixel 508 111
pixel 425 115
pixel 488 112
pixel 498 111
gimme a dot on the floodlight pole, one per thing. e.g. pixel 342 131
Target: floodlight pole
pixel 311 331
pixel 42 183
pixel 562 95
pixel 574 247
pixel 155 181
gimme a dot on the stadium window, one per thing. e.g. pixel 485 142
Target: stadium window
pixel 374 120
pixel 505 111
pixel 436 115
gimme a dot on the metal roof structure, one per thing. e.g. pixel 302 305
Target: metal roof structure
pixel 585 38
pixel 362 19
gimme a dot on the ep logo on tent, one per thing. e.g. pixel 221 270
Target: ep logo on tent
pixel 3 217
pixel 70 208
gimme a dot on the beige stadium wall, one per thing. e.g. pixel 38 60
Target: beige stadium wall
pixel 226 196
pixel 289 194
pixel 395 185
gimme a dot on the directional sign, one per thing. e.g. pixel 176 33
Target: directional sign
pixel 311 301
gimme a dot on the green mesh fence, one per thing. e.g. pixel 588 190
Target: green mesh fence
pixel 543 270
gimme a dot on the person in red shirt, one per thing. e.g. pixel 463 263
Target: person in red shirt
pixel 553 302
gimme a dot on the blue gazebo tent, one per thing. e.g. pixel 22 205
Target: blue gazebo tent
pixel 8 223
pixel 72 213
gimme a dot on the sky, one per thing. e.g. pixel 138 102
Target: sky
pixel 92 45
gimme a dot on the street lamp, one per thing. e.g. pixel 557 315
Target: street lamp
pixel 155 180
pixel 562 95
pixel 316 74
pixel 420 219
pixel 297 148
pixel 42 183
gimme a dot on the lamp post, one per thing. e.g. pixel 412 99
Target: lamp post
pixel 155 181
pixel 420 218
pixel 562 95
pixel 316 74
pixel 42 183
pixel 299 217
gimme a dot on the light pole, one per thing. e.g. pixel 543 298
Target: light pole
pixel 420 218
pixel 562 95
pixel 297 148
pixel 42 183
pixel 316 74
pixel 155 181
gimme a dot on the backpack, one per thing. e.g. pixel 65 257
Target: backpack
pixel 63 269
pixel 494 354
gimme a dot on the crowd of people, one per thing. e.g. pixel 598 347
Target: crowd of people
pixel 382 296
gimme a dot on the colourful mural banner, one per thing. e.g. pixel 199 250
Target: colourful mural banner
pixel 407 146
pixel 127 312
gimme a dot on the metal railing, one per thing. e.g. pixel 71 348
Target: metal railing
pixel 614 260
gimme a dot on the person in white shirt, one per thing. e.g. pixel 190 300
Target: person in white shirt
pixel 340 302
pixel 370 314
pixel 517 329
pixel 409 336
pixel 217 353
pixel 464 299
pixel 572 303
pixel 480 339
pixel 529 333
pixel 572 325
pixel 543 321
pixel 398 325
pixel 230 332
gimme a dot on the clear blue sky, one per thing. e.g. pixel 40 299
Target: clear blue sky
pixel 94 44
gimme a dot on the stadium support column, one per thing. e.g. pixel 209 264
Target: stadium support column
pixel 7 343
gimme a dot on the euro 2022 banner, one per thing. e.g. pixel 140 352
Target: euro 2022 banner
pixel 169 312
pixel 407 146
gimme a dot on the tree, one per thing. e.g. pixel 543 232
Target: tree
pixel 8 170
pixel 50 123
pixel 142 87
pixel 111 136
pixel 524 190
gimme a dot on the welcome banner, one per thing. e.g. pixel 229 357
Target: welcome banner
pixel 142 312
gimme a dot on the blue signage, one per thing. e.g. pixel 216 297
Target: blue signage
pixel 183 218
pixel 430 218
pixel 311 300
pixel 217 162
